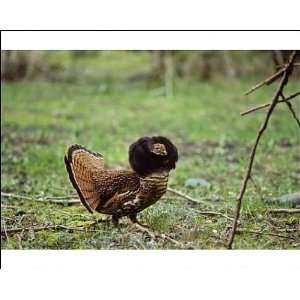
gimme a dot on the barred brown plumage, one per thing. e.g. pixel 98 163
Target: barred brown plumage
pixel 122 192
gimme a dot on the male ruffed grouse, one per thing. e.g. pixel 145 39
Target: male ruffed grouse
pixel 122 192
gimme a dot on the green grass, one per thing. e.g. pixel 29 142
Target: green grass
pixel 40 120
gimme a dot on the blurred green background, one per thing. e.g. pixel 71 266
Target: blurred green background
pixel 94 66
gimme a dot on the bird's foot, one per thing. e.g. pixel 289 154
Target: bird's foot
pixel 141 224
pixel 143 229
pixel 134 220
pixel 154 236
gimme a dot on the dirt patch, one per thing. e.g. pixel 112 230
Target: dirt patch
pixel 285 143
pixel 208 149
pixel 205 148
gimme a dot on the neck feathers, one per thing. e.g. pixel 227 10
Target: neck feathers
pixel 154 185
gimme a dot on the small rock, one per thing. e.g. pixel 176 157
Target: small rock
pixel 193 182
pixel 288 199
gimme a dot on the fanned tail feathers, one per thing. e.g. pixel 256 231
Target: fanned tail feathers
pixel 82 164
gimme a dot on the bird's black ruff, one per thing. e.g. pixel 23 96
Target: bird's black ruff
pixel 144 162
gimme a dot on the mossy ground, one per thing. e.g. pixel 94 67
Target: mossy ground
pixel 40 119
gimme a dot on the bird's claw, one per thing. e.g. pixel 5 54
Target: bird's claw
pixel 144 229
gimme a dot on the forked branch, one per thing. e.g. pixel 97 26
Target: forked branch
pixel 268 104
pixel 284 73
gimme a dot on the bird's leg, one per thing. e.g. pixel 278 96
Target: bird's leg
pixel 145 229
pixel 115 220
pixel 141 227
pixel 134 220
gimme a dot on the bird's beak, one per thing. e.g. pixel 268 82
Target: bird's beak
pixel 159 149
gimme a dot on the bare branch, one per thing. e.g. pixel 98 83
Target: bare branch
pixel 46 227
pixel 284 211
pixel 154 235
pixel 56 200
pixel 213 213
pixel 267 81
pixel 265 233
pixel 5 231
pixel 284 79
pixel 189 198
pixel 268 104
pixel 296 64
pixel 291 109
pixel 8 206
pixel 60 197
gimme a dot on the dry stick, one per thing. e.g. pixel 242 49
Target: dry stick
pixel 267 81
pixel 265 233
pixel 47 227
pixel 16 230
pixel 58 201
pixel 296 64
pixel 168 238
pixel 193 200
pixel 287 230
pixel 293 112
pixel 213 213
pixel 60 197
pixel 8 206
pixel 252 155
pixel 287 99
pixel 5 231
pixel 284 210
pixel 291 109
pixel 15 196
pixel 154 235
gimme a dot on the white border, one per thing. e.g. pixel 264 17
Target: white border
pixel 150 274
pixel 154 14
pixel 145 40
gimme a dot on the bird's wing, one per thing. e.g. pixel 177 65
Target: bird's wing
pixel 95 185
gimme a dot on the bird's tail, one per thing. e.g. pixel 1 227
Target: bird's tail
pixel 82 165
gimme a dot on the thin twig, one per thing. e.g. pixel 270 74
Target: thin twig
pixel 53 200
pixel 5 231
pixel 284 211
pixel 291 109
pixel 264 233
pixel 71 196
pixel 154 235
pixel 287 99
pixel 296 64
pixel 47 227
pixel 287 230
pixel 20 236
pixel 267 81
pixel 39 228
pixel 293 112
pixel 9 195
pixel 8 206
pixel 86 216
pixel 213 213
pixel 263 127
pixel 168 238
pixel 189 198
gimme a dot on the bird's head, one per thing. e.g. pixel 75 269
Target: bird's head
pixel 152 154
